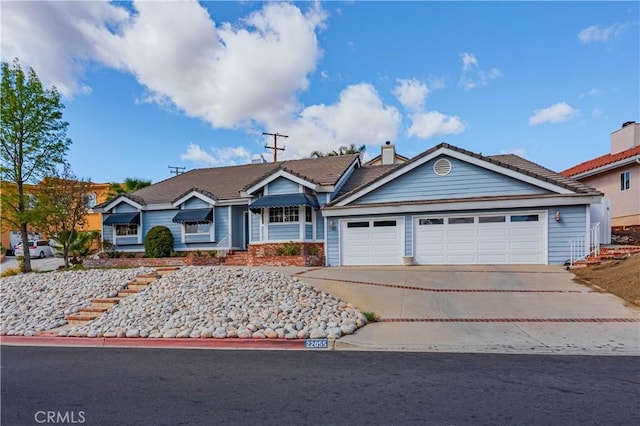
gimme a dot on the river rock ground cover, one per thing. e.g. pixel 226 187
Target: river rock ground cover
pixel 218 302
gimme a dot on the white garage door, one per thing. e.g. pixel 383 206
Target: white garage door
pixel 481 239
pixel 372 242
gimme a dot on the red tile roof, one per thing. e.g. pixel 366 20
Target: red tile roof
pixel 601 161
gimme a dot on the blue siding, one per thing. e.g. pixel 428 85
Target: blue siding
pixel 319 226
pixel 465 180
pixel 572 224
pixel 162 218
pixel 255 228
pixel 126 241
pixel 107 233
pixel 282 186
pixel 284 232
pixel 195 203
pixel 332 245
pixel 308 232
pixel 221 223
pixel 238 225
pixel 196 239
pixel 124 208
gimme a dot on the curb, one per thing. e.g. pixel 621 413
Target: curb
pixel 175 343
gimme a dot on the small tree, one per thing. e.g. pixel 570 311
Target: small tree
pixel 158 242
pixel 33 142
pixel 343 150
pixel 130 185
pixel 62 208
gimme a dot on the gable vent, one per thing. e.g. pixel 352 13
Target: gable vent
pixel 442 167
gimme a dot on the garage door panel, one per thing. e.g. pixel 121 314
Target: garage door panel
pixel 371 242
pixel 490 239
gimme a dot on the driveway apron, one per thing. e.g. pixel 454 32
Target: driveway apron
pixel 487 308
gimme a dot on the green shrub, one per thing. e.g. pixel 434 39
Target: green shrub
pixel 158 242
pixel 280 251
pixel 371 316
pixel 213 253
pixel 314 250
pixel 291 248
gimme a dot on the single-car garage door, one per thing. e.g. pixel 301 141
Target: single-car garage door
pixel 372 242
pixel 513 238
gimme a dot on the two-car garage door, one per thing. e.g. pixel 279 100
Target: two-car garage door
pixel 500 238
pixel 480 239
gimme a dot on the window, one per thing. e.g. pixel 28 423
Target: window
pixel 358 225
pixel 438 221
pixel 525 218
pixel 460 220
pixel 196 228
pixel 283 214
pixel 91 200
pixel 124 230
pixel 491 219
pixel 308 214
pixel 379 223
pixel 625 181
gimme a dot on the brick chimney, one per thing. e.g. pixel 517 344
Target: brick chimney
pixel 388 154
pixel 626 137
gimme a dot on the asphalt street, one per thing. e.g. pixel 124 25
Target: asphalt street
pixel 106 386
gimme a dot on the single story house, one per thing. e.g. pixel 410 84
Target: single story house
pixel 616 175
pixel 444 206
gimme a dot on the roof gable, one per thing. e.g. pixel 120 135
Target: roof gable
pixel 524 175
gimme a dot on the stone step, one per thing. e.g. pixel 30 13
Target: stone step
pixel 107 302
pixel 146 278
pixel 79 319
pixel 92 312
pixel 167 270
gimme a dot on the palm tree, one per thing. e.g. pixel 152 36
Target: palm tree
pixel 130 185
pixel 343 150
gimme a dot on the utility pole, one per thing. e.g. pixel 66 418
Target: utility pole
pixel 275 144
pixel 177 170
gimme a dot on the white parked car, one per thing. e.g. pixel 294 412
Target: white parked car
pixel 37 248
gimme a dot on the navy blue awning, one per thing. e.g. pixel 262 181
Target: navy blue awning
pixel 284 200
pixel 194 215
pixel 129 218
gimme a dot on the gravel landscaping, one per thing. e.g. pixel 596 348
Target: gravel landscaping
pixel 195 302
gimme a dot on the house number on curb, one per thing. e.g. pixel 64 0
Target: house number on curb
pixel 316 344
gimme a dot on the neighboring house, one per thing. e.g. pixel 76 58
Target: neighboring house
pixel 444 206
pixel 387 156
pixel 97 194
pixel 617 175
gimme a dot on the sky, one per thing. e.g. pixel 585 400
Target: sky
pixel 152 84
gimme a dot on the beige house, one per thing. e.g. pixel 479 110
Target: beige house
pixel 617 175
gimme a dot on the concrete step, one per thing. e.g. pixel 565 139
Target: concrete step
pixel 126 292
pixel 132 285
pixel 106 302
pixel 167 270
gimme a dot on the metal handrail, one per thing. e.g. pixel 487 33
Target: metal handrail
pixel 585 245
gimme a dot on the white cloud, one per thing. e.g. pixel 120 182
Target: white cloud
pixel 554 114
pixel 472 76
pixel 359 117
pixel 412 94
pixel 595 33
pixel 433 123
pixel 218 157
pixel 591 92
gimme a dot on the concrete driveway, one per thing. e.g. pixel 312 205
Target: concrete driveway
pixel 46 264
pixel 501 309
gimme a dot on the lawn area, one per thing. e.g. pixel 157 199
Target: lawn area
pixel 621 277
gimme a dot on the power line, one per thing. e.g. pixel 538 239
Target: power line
pixel 275 147
pixel 177 170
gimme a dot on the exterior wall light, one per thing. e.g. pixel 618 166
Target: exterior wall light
pixel 557 216
pixel 332 224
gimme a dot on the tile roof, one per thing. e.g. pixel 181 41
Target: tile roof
pixel 601 161
pixel 509 161
pixel 363 176
pixel 226 182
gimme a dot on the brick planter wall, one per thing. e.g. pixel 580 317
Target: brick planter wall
pixel 271 249
pixel 150 262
